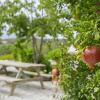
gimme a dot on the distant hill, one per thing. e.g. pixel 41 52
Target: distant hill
pixel 7 41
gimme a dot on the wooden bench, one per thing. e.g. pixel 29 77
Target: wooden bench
pixel 21 67
pixel 10 81
pixel 13 82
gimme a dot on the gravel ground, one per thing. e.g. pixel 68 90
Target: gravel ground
pixel 31 91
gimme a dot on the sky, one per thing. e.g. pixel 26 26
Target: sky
pixel 5 36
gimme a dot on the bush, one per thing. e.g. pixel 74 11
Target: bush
pixel 45 61
pixel 77 81
pixel 55 54
pixel 6 57
pixel 23 52
pixel 5 49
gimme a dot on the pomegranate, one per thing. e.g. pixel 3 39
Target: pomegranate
pixel 91 55
pixel 55 72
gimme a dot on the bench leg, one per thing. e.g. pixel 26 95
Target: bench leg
pixel 41 79
pixel 3 68
pixel 19 72
pixel 41 82
pixel 13 86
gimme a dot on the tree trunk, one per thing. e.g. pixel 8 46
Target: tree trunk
pixel 37 52
pixel 40 50
pixel 35 60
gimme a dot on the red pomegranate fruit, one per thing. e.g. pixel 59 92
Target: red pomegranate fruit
pixel 91 55
pixel 55 72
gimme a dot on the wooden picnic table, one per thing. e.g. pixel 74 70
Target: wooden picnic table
pixel 21 67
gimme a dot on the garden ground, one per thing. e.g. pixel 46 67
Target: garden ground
pixel 31 91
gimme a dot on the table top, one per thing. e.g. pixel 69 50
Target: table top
pixel 20 64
